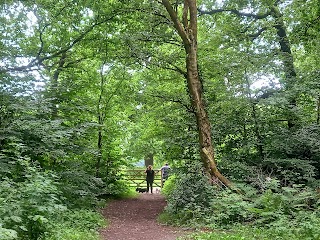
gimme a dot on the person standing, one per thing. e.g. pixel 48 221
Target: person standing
pixel 149 178
pixel 165 172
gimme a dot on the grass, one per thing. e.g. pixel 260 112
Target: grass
pixel 250 233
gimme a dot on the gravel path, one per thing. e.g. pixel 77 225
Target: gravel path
pixel 135 219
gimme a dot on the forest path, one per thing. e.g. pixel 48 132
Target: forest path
pixel 136 219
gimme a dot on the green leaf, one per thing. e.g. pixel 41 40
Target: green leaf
pixel 16 219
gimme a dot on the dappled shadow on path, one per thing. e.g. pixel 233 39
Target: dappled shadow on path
pixel 136 219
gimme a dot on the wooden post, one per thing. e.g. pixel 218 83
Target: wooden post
pixel 161 179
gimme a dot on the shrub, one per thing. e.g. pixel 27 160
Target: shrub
pixel 76 225
pixel 306 227
pixel 79 188
pixel 283 204
pixel 169 186
pixel 290 170
pixel 228 208
pixel 189 199
pixel 7 234
pixel 239 233
pixel 28 206
pixel 118 188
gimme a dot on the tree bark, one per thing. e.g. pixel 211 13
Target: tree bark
pixel 318 109
pixel 187 31
pixel 101 118
pixel 55 85
pixel 259 138
pixel 99 159
pixel 288 63
pixel 148 160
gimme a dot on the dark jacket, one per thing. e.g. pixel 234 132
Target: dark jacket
pixel 150 175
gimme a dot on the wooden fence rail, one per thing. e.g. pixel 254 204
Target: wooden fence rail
pixel 137 178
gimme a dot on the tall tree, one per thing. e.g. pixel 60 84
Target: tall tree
pixel 187 29
pixel 263 12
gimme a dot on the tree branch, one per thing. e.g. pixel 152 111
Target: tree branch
pixel 185 14
pixel 188 107
pixel 236 12
pixel 176 69
pixel 177 24
pixel 39 60
pixel 192 5
pixel 257 34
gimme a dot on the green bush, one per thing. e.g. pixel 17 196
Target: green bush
pixel 291 170
pixel 73 234
pixel 77 225
pixel 239 233
pixel 228 208
pixel 189 198
pixel 27 207
pixel 284 204
pixel 118 188
pixel 307 229
pixel 79 188
pixel 306 226
pixel 32 209
pixel 169 186
pixel 193 202
pixel 7 234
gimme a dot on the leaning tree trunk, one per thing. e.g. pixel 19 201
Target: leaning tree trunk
pixel 187 30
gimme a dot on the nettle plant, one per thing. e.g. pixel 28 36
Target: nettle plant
pixel 28 205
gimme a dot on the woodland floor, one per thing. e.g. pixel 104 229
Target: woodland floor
pixel 136 219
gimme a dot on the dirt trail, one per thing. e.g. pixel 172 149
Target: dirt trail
pixel 135 219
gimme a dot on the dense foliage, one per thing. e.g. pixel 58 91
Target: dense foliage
pixel 271 211
pixel 88 88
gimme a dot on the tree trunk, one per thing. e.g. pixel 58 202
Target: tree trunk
pixel 55 91
pixel 288 64
pixel 318 109
pixel 55 86
pixel 100 118
pixel 99 159
pixel 188 34
pixel 148 160
pixel 259 138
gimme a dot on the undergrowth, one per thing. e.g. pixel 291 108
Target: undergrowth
pixel 275 213
pixel 76 225
pixel 41 205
